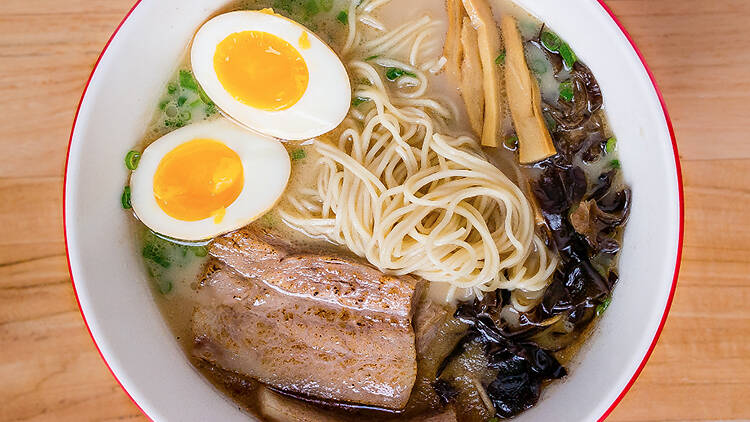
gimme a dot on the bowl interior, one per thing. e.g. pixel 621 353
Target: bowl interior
pixel 112 287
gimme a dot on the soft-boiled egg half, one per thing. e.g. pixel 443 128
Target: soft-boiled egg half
pixel 271 74
pixel 208 178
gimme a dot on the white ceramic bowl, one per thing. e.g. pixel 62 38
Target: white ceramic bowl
pixel 122 316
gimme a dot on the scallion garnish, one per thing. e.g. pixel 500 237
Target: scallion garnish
pixel 500 59
pixel 187 81
pixel 611 145
pixel 163 104
pixel 372 57
pixel 204 97
pixel 199 251
pixel 164 286
pixel 125 198
pixel 171 88
pixel 131 159
pixel 566 91
pixel 511 142
pixel 568 56
pixel 181 101
pixel 600 308
pixel 343 17
pixel 553 43
pixel 154 251
pixel 298 154
pixel 185 116
pixel 615 164
pixel 175 123
pixel 394 73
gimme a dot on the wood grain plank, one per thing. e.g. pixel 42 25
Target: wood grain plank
pixel 691 45
pixel 44 63
pixel 30 210
pixel 63 379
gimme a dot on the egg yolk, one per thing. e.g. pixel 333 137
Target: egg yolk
pixel 197 180
pixel 261 70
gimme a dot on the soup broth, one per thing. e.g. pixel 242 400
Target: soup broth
pixel 459 356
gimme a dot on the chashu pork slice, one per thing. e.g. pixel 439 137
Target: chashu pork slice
pixel 316 325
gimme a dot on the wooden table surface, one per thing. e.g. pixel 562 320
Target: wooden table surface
pixel 700 370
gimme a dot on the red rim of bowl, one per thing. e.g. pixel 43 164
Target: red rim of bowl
pixel 679 185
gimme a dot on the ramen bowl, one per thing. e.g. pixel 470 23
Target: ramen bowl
pixel 136 343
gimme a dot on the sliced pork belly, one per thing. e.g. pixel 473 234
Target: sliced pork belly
pixel 316 325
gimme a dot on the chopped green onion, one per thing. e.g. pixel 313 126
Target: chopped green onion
pixel 199 251
pixel 131 159
pixel 210 109
pixel 298 154
pixel 187 81
pixel 600 308
pixel 568 56
pixel 511 142
pixel 171 88
pixel 326 5
pixel 125 198
pixel 356 101
pixel 611 144
pixel 163 104
pixel 175 123
pixel 615 164
pixel 566 91
pixel 343 17
pixel 204 97
pixel 394 73
pixel 185 116
pixel 311 8
pixel 551 41
pixel 500 59
pixel 164 286
pixel 153 250
pixel 372 57
pixel 181 101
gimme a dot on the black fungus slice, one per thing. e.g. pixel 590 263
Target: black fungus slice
pixel 596 225
pixel 577 281
pixel 558 188
pixel 522 367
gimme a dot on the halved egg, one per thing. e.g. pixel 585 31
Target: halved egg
pixel 271 74
pixel 208 178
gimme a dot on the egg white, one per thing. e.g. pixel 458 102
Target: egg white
pixel 266 169
pixel 322 107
